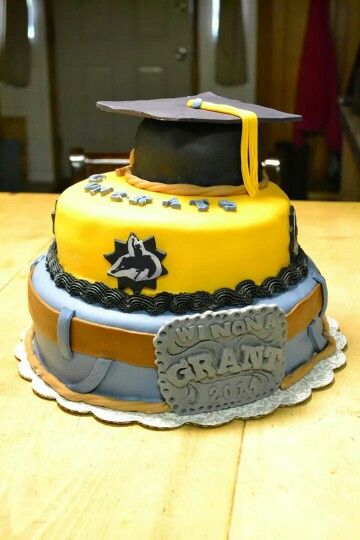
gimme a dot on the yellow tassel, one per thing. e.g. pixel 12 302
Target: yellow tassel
pixel 248 144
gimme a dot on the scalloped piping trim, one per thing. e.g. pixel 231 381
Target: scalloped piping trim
pixel 178 303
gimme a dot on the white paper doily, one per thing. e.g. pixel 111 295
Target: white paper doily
pixel 320 376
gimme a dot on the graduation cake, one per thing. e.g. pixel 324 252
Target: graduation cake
pixel 177 283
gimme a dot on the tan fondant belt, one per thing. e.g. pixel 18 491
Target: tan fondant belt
pixel 137 348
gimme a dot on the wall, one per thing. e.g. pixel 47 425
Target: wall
pixel 207 48
pixel 34 104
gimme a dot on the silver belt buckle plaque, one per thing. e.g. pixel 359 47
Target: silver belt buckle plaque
pixel 222 359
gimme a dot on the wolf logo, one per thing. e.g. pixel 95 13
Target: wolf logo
pixel 136 263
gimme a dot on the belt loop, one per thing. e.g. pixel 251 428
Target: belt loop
pixel 317 339
pixel 320 279
pixel 63 332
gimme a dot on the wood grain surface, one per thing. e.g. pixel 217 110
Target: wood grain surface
pixel 291 475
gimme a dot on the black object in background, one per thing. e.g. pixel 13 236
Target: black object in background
pixel 294 169
pixel 10 165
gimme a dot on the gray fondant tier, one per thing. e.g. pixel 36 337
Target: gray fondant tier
pixel 120 380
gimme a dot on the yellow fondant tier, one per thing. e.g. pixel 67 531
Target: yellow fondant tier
pixel 204 250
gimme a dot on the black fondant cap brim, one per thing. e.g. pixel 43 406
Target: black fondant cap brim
pixel 175 109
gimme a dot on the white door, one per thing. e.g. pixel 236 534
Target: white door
pixel 116 50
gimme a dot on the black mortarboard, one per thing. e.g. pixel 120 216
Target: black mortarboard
pixel 176 143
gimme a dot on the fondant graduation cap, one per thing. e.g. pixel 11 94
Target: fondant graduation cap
pixel 204 140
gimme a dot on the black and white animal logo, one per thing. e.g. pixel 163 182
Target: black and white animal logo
pixel 136 263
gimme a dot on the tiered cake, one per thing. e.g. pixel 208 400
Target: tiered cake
pixel 176 283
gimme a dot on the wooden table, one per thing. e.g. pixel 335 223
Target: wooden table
pixel 291 475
